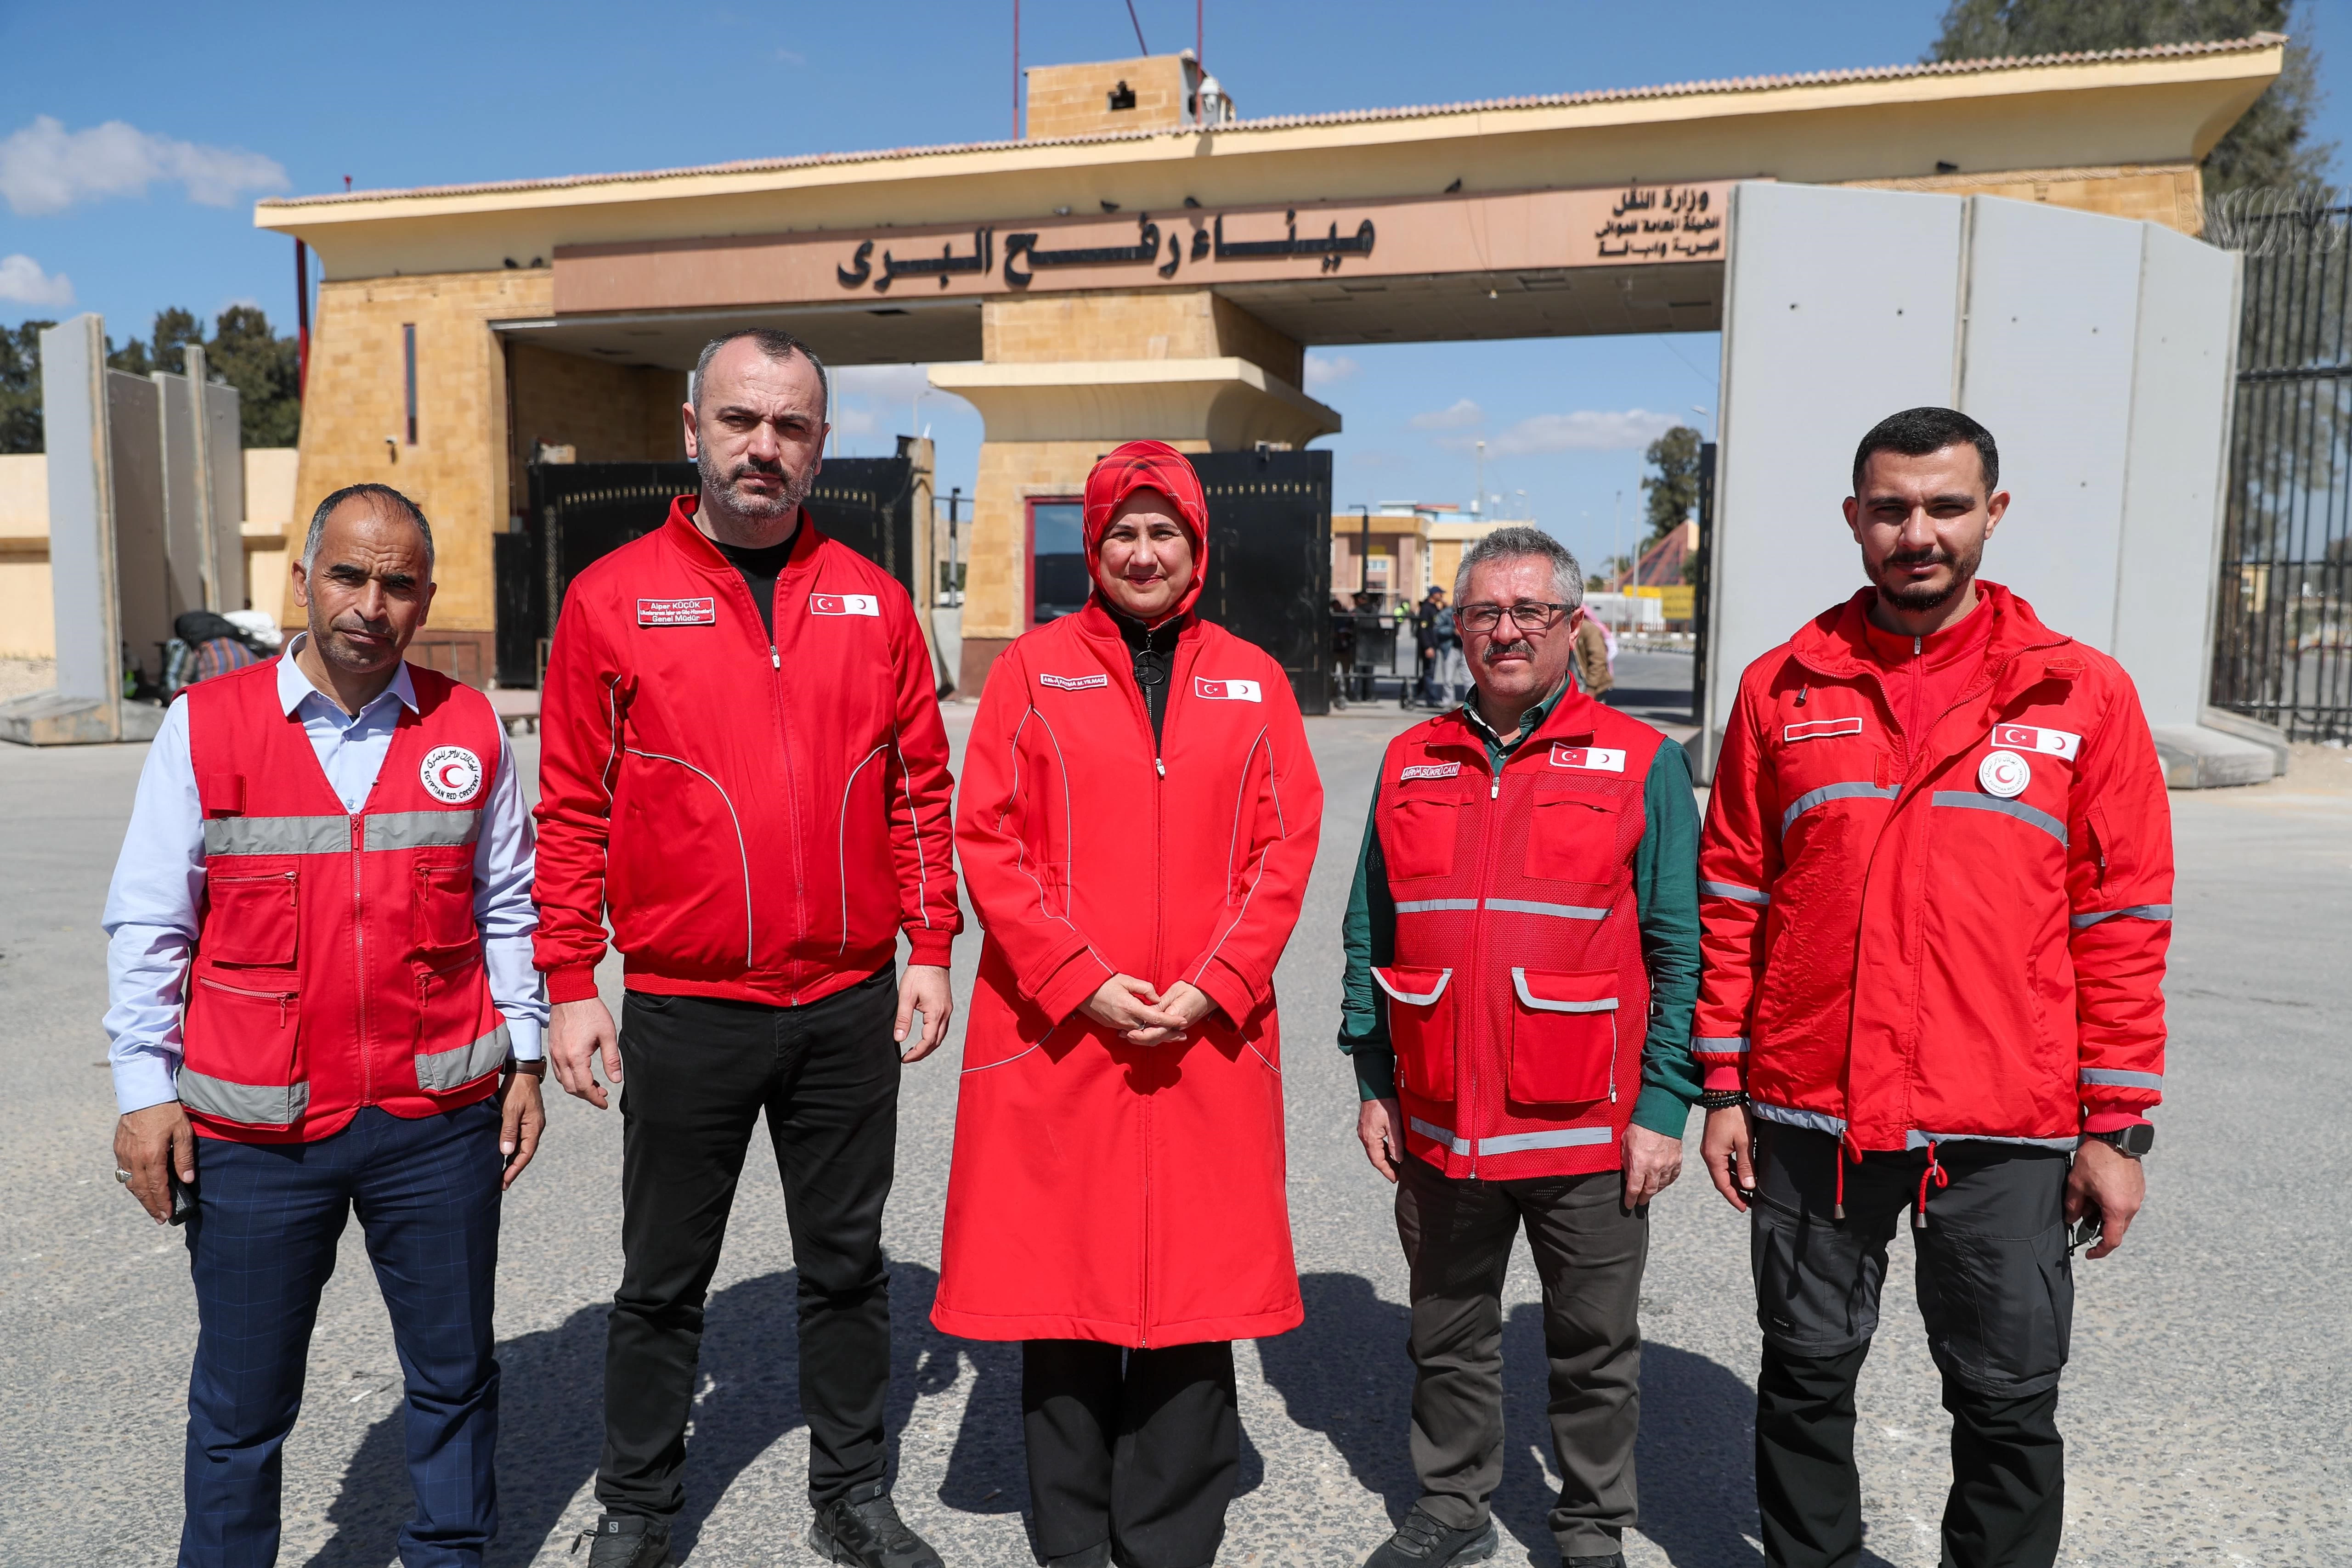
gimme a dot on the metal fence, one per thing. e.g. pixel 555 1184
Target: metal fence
pixel 2283 644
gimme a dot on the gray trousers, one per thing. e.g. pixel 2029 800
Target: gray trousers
pixel 1588 1252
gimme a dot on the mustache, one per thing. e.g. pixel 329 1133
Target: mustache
pixel 1934 555
pixel 1498 649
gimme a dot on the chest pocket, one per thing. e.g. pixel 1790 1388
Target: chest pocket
pixel 444 906
pixel 1573 836
pixel 1418 834
pixel 251 916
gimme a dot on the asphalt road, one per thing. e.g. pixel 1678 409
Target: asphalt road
pixel 2206 1406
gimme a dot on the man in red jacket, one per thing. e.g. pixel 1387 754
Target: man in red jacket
pixel 744 763
pixel 1936 892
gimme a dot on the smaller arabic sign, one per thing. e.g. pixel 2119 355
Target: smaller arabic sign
pixel 1662 223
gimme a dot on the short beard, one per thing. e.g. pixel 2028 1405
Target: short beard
pixel 1914 599
pixel 754 510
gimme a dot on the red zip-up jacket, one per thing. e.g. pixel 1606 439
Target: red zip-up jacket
pixel 760 817
pixel 1960 932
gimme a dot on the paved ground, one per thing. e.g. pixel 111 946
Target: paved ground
pixel 2207 1404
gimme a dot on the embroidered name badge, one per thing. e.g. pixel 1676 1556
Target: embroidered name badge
pixel 1073 683
pixel 1821 729
pixel 2026 737
pixel 677 611
pixel 844 604
pixel 1592 758
pixel 451 774
pixel 1430 770
pixel 1228 691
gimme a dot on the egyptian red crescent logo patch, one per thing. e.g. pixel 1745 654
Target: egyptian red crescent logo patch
pixel 1228 691
pixel 677 611
pixel 844 604
pixel 451 774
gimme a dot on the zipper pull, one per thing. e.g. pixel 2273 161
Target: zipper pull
pixel 1915 647
pixel 775 660
pixel 1496 791
pixel 1162 767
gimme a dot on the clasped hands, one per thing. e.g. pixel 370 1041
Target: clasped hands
pixel 1143 1016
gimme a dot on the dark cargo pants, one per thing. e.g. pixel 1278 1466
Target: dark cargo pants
pixel 1998 1293
pixel 1588 1252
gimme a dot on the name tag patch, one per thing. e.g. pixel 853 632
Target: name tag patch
pixel 844 604
pixel 1228 691
pixel 1821 729
pixel 677 611
pixel 1430 770
pixel 1590 759
pixel 2048 742
pixel 1073 683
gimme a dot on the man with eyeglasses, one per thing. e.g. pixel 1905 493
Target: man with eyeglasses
pixel 1522 959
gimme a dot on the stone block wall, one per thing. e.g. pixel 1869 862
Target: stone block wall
pixel 2172 194
pixel 1075 100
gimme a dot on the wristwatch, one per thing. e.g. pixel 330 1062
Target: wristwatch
pixel 2130 1142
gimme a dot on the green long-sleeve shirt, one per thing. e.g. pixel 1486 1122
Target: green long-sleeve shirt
pixel 1665 903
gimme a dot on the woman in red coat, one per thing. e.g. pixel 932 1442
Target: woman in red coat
pixel 1137 821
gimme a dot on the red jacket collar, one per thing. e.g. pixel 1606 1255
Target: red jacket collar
pixel 688 537
pixel 1836 643
pixel 1095 620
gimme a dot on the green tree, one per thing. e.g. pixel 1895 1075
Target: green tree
pixel 20 387
pixel 264 369
pixel 1674 488
pixel 2271 147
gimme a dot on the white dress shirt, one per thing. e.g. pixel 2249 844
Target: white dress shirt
pixel 159 882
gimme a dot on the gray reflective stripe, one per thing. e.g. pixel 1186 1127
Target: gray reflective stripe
pixel 1428 905
pixel 446 1070
pixel 1915 1139
pixel 1437 1134
pixel 2118 1079
pixel 2030 815
pixel 1544 1005
pixel 1562 911
pixel 1794 1118
pixel 422 830
pixel 1733 890
pixel 1720 1044
pixel 2137 911
pixel 1567 1138
pixel 261 1104
pixel 277 836
pixel 1828 792
pixel 1420 1001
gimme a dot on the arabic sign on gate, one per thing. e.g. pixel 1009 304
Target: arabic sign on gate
pixel 1514 232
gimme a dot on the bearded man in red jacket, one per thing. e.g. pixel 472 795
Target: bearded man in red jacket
pixel 744 763
pixel 1935 893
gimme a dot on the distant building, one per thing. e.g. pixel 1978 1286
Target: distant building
pixel 1414 546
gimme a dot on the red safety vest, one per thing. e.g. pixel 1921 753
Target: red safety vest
pixel 1518 1002
pixel 338 964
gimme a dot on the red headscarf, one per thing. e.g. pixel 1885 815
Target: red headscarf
pixel 1149 465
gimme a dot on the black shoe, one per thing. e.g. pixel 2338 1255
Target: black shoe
pixel 1614 1560
pixel 626 1541
pixel 865 1528
pixel 1421 1542
pixel 1096 1556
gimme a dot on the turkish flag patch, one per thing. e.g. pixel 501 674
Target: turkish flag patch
pixel 2027 737
pixel 1228 691
pixel 844 604
pixel 677 611
pixel 1590 759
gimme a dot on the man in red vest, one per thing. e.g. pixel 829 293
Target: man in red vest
pixel 1937 897
pixel 743 766
pixel 320 973
pixel 1522 952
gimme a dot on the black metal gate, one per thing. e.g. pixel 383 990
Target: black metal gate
pixel 2283 629
pixel 581 512
pixel 1270 560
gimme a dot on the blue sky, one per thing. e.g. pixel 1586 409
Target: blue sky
pixel 227 103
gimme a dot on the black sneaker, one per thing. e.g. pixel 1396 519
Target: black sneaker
pixel 865 1528
pixel 1614 1560
pixel 626 1541
pixel 1421 1542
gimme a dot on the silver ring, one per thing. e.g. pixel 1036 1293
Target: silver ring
pixel 122 1175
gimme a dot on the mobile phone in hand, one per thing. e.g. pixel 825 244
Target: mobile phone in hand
pixel 184 1198
pixel 2085 1230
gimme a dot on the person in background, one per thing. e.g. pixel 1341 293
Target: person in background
pixel 1139 817
pixel 743 764
pixel 322 1003
pixel 1938 898
pixel 1522 951
pixel 1425 646
pixel 1596 657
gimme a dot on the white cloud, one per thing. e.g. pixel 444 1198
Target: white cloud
pixel 1587 430
pixel 1461 416
pixel 884 382
pixel 1326 370
pixel 23 282
pixel 44 167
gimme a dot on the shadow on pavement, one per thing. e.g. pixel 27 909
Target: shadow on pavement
pixel 1344 1373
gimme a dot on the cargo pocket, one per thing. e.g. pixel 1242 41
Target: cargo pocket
pixel 242 1060
pixel 460 1037
pixel 251 916
pixel 1573 837
pixel 1421 1027
pixel 2000 1309
pixel 1563 1037
pixel 444 906
pixel 1417 834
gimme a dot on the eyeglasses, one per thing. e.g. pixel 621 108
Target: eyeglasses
pixel 1528 615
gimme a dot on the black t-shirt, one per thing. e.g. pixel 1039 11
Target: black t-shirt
pixel 760 568
pixel 1154 651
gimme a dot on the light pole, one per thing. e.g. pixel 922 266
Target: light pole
pixel 1477 507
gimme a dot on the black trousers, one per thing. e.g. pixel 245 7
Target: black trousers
pixel 696 1074
pixel 1998 1294
pixel 1141 1448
